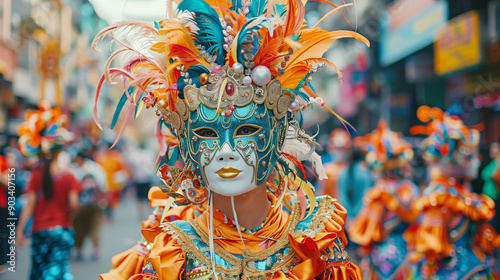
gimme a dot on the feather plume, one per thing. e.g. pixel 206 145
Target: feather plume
pixel 207 19
pixel 303 151
pixel 257 8
pixel 318 41
pixel 294 17
pixel 143 28
pixel 329 14
pixel 335 6
pixel 243 37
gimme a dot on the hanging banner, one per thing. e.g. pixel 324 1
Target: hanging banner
pixel 458 44
pixel 410 27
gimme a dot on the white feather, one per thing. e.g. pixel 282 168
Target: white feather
pixel 303 151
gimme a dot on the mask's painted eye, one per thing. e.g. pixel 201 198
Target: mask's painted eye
pixel 206 133
pixel 247 130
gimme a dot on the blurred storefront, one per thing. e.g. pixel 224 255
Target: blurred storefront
pixel 433 52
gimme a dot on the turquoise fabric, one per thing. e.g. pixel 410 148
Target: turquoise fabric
pixel 489 187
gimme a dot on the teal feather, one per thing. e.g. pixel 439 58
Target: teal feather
pixel 237 6
pixel 119 108
pixel 311 86
pixel 157 25
pixel 280 9
pixel 194 73
pixel 257 8
pixel 207 20
pixel 245 37
pixel 298 92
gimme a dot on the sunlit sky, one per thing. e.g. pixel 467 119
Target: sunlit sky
pixel 117 10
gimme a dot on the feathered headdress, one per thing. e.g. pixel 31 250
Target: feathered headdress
pixel 447 134
pixel 44 130
pixel 221 54
pixel 385 149
pixel 204 42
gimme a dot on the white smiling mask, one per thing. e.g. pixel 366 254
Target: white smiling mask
pixel 228 174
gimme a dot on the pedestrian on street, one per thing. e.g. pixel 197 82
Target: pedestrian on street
pixel 52 194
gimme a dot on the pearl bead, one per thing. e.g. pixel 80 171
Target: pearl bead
pixel 294 105
pixel 238 68
pixel 261 75
pixel 247 80
pixel 161 104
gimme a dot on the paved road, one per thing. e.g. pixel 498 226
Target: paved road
pixel 116 237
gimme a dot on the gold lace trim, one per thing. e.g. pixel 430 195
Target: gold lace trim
pixel 324 213
pixel 184 240
pixel 326 208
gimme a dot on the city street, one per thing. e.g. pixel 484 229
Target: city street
pixel 116 237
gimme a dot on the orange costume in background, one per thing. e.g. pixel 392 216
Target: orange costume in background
pixel 450 239
pixel 117 173
pixel 386 212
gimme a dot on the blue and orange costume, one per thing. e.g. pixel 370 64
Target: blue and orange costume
pixel 380 225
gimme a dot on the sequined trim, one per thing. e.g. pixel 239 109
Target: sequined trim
pixel 245 268
pixel 326 208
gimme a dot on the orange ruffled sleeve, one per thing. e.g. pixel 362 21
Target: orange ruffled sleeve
pixel 124 265
pixel 316 254
pixel 166 258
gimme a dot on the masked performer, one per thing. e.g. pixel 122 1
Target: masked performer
pixel 451 239
pixel 227 79
pixel 379 226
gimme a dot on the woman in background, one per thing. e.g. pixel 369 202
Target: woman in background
pixel 52 194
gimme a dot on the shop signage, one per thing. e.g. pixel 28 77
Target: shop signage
pixel 402 37
pixel 458 44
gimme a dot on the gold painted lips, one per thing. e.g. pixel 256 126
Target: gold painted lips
pixel 228 173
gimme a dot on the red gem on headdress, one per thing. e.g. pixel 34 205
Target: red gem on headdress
pixel 230 89
pixel 231 107
pixel 227 113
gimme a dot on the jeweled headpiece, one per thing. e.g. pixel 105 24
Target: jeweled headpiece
pixel 384 148
pixel 44 130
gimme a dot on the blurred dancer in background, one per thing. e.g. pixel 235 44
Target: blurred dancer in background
pixel 88 218
pixel 52 194
pixel 451 238
pixel 379 227
pixel 353 182
pixel 118 173
pixel 348 175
